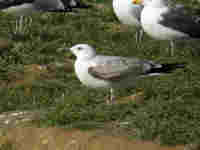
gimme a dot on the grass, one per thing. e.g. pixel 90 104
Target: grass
pixel 171 107
pixel 8 146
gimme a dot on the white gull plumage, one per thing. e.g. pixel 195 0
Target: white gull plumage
pixel 129 14
pixel 163 22
pixel 110 72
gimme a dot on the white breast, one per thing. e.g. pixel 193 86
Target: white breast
pixel 81 70
pixel 126 12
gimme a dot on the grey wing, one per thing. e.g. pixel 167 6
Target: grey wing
pixel 184 22
pixel 117 68
pixel 48 5
pixel 8 3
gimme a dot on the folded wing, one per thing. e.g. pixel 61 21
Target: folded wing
pixel 117 68
pixel 181 21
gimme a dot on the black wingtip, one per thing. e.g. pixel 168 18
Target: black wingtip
pixel 65 10
pixel 84 6
pixel 166 68
pixel 173 66
pixel 81 6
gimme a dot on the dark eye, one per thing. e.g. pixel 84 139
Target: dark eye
pixel 79 48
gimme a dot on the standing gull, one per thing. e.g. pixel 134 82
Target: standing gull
pixel 23 8
pixel 129 14
pixel 110 72
pixel 168 23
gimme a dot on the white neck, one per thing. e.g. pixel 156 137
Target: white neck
pixel 156 3
pixel 86 56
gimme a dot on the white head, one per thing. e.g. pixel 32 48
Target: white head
pixel 152 3
pixel 83 51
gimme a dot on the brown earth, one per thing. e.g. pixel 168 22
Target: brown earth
pixel 18 132
pixel 61 139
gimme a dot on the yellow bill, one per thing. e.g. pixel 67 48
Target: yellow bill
pixel 137 1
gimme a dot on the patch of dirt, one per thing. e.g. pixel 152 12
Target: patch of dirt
pixel 19 137
pixel 138 98
pixel 120 27
pixel 56 138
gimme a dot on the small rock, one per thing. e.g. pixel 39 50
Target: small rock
pixel 5 43
pixel 138 98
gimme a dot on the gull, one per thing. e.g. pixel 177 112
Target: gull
pixel 27 7
pixel 129 14
pixel 113 72
pixel 23 8
pixel 163 22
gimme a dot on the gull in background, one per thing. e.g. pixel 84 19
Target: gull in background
pixel 111 72
pixel 129 14
pixel 23 8
pixel 163 22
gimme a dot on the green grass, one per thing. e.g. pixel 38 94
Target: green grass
pixel 171 108
pixel 8 146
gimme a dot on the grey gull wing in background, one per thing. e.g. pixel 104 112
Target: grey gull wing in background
pixel 166 23
pixel 9 3
pixel 70 4
pixel 110 72
pixel 129 14
pixel 25 7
